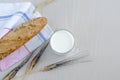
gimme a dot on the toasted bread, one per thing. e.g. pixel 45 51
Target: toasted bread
pixel 20 35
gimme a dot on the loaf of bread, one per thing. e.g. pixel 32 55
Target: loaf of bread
pixel 19 36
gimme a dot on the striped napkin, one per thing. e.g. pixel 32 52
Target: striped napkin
pixel 12 15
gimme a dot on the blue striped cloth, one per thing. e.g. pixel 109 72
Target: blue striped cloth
pixel 12 15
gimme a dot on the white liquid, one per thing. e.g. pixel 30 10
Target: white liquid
pixel 62 41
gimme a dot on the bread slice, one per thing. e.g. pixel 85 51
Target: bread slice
pixel 19 36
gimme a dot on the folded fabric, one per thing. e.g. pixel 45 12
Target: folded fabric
pixel 12 15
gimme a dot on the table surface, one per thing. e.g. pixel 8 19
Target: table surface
pixel 96 27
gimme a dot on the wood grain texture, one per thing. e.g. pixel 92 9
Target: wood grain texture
pixel 19 36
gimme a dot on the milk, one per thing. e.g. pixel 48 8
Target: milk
pixel 62 41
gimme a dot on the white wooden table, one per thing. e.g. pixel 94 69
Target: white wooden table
pixel 96 27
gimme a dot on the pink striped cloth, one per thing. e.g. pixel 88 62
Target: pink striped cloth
pixel 27 12
pixel 13 58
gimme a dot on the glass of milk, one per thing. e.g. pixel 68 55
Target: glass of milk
pixel 62 42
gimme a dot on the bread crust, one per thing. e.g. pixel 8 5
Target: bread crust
pixel 20 35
